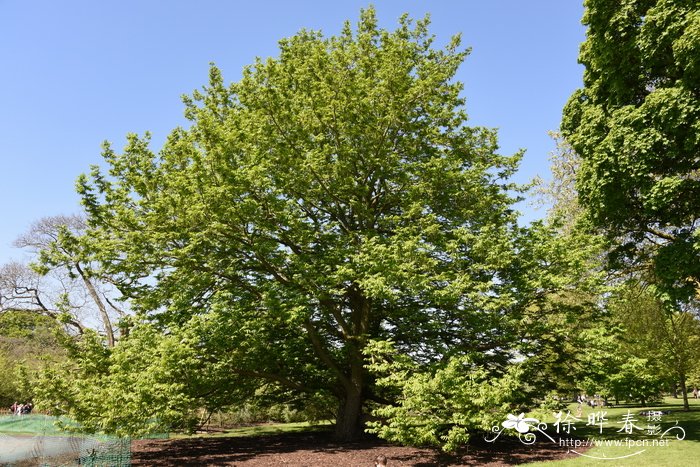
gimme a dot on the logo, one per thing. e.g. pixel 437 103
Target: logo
pixel 529 430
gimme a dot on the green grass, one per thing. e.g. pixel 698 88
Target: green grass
pixel 44 425
pixel 673 453
pixel 261 429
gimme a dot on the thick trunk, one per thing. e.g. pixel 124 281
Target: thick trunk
pixel 349 386
pixel 348 425
pixel 349 421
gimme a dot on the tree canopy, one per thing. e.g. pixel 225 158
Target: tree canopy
pixel 332 196
pixel 666 341
pixel 329 233
pixel 635 125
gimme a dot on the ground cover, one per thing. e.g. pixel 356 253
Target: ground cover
pixel 301 444
pixel 298 444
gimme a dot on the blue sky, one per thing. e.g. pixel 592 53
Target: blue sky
pixel 76 73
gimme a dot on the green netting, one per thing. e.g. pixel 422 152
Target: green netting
pixel 35 440
pixel 32 424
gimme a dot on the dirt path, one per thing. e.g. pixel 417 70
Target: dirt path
pixel 318 449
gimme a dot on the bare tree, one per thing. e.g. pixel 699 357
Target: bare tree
pixel 21 289
pixel 56 241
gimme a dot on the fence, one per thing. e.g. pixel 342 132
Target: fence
pixel 34 440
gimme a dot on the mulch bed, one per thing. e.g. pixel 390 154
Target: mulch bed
pixel 319 449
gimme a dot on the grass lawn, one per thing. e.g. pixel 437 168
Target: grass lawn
pixel 255 430
pixel 638 448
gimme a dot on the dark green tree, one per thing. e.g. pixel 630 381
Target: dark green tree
pixel 635 126
pixel 332 196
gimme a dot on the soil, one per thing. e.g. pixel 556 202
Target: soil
pixel 318 449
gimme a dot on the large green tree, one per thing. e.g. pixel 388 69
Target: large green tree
pixel 333 195
pixel 635 125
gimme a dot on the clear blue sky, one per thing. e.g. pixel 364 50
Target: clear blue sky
pixel 76 73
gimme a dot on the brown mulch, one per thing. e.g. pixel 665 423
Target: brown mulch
pixel 319 449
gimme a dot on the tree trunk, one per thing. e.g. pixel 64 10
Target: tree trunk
pixel 349 421
pixel 348 424
pixel 684 390
pixel 100 306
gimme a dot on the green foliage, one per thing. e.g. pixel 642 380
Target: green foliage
pixel 664 340
pixel 250 413
pixel 442 406
pixel 9 392
pixel 335 194
pixel 553 402
pixel 694 377
pixel 563 324
pixel 26 339
pixel 29 325
pixel 635 126
pixel 136 388
pixel 637 379
pixel 154 382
